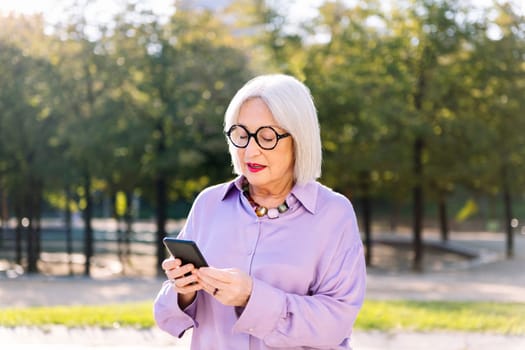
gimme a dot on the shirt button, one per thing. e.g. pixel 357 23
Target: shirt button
pixel 250 329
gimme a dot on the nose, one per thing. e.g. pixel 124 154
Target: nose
pixel 252 148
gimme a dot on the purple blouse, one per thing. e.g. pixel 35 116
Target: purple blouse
pixel 307 267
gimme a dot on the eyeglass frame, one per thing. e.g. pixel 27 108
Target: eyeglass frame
pixel 254 135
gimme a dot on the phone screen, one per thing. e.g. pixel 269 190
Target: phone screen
pixel 185 250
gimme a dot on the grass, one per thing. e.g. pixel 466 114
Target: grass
pixel 482 317
pixel 136 315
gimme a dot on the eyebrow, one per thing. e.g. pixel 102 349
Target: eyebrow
pixel 264 126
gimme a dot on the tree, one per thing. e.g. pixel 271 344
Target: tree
pixel 433 36
pixel 180 78
pixel 27 126
pixel 349 79
pixel 498 89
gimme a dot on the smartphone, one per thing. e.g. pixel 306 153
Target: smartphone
pixel 185 250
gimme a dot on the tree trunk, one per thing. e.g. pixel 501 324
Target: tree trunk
pixel 69 231
pixel 116 217
pixel 162 203
pixel 443 217
pixel 418 205
pixel 507 204
pixel 18 235
pixel 30 230
pixel 367 211
pixel 38 219
pixel 2 216
pixel 419 96
pixel 88 230
pixel 161 222
pixel 128 218
pixel 5 209
pixel 31 247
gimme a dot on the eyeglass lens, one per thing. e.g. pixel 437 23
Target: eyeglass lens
pixel 266 137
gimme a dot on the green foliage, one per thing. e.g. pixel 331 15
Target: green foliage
pixel 105 106
pixel 470 208
pixel 120 203
pixel 144 99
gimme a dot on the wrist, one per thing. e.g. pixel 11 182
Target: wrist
pixel 185 300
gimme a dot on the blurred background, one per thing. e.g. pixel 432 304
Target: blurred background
pixel 111 121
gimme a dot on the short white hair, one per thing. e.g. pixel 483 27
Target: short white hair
pixel 292 106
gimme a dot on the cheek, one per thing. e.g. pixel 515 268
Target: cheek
pixel 291 161
pixel 240 156
pixel 287 160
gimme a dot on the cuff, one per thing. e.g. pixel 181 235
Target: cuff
pixel 168 315
pixel 265 308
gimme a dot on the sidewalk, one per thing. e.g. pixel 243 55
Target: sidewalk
pixel 491 277
pixel 90 339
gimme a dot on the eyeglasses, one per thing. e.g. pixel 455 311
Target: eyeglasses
pixel 266 136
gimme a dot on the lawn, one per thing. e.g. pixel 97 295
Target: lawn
pixel 484 317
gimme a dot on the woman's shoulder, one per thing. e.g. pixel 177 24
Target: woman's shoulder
pixel 329 196
pixel 214 192
pixel 317 197
pixel 338 209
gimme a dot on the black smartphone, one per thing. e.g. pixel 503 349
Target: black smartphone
pixel 185 250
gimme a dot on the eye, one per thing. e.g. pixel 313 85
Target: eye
pixel 267 135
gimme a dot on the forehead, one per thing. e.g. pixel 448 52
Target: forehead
pixel 254 113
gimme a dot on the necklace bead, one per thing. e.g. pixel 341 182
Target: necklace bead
pixel 283 207
pixel 261 211
pixel 273 213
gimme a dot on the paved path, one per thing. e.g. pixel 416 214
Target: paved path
pixel 490 278
pixel 24 339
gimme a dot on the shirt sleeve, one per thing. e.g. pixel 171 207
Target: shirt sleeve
pixel 323 319
pixel 166 311
pixel 169 316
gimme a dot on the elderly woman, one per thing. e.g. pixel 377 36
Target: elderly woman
pixel 286 260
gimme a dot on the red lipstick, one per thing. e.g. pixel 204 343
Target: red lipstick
pixel 254 167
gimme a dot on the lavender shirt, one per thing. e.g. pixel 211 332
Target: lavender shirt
pixel 307 267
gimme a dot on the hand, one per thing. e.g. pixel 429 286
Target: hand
pixel 231 287
pixel 183 278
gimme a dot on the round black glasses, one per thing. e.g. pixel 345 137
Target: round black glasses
pixel 266 136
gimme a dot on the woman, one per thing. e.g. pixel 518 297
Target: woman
pixel 286 261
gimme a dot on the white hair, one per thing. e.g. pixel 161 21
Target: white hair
pixel 292 106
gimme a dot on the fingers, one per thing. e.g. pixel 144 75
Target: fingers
pixel 229 286
pixel 183 277
pixel 170 263
pixel 222 275
pixel 184 281
pixel 210 285
pixel 186 285
pixel 173 269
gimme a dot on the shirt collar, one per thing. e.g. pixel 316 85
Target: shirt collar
pixel 306 194
pixel 230 185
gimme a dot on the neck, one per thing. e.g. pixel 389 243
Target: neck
pixel 271 197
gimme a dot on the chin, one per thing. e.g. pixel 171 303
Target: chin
pixel 254 179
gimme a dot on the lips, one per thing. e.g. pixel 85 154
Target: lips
pixel 254 167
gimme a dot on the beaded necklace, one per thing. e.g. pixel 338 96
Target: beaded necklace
pixel 259 209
